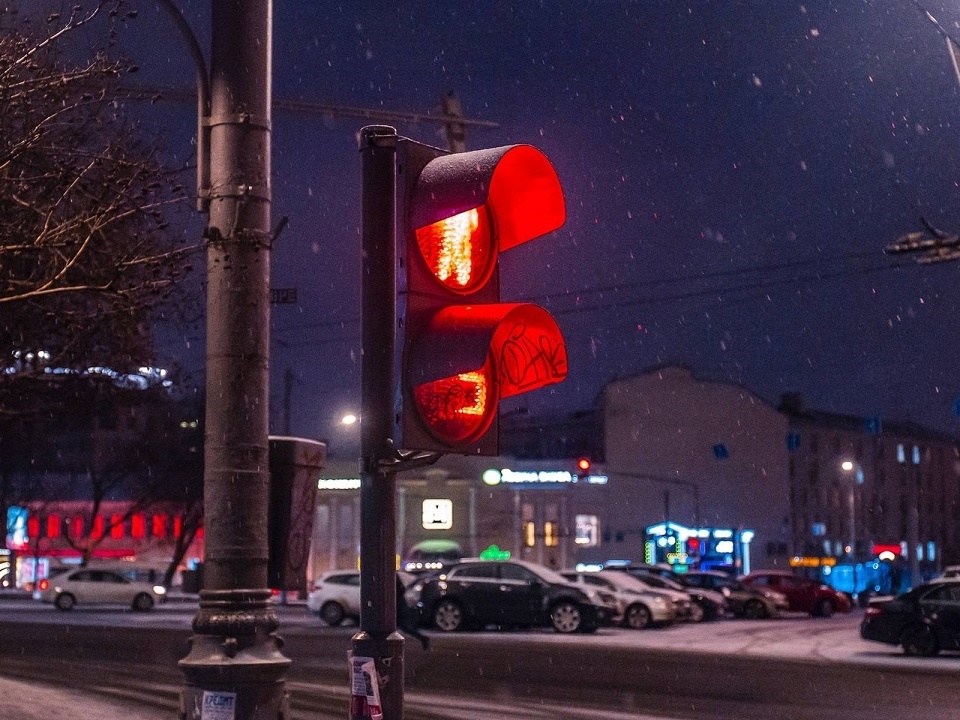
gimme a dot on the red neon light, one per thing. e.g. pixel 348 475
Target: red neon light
pixel 882 548
pixel 97 532
pixel 53 526
pixel 33 527
pixel 116 527
pixel 138 526
pixel 76 527
pixel 159 528
pixel 583 464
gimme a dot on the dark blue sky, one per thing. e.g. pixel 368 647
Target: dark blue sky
pixel 732 172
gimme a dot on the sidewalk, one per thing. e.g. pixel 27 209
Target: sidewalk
pixel 35 701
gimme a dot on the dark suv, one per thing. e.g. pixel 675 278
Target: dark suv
pixel 510 593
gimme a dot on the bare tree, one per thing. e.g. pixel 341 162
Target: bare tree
pixel 86 256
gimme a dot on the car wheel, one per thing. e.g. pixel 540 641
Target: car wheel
pixel 143 603
pixel 565 617
pixel 636 617
pixel 65 601
pixel 920 641
pixel 696 613
pixel 448 616
pixel 824 608
pixel 332 613
pixel 754 610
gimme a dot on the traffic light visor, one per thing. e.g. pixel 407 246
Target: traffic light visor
pixel 515 185
pixel 520 343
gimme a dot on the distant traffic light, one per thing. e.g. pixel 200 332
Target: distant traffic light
pixel 583 464
pixel 462 349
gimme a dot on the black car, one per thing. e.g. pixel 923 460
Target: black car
pixel 924 620
pixel 508 593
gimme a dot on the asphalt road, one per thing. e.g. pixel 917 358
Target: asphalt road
pixel 793 668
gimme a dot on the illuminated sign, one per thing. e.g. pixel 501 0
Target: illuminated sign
pixel 437 514
pixel 588 530
pixel 812 562
pixel 338 484
pixel 506 476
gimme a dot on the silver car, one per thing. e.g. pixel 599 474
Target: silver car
pixel 98 586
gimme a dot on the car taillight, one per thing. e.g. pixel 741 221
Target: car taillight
pixel 43 584
pixel 873 611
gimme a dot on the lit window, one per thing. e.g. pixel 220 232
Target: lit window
pixel 550 537
pixel 76 527
pixel 916 455
pixel 529 533
pixel 33 527
pixel 97 531
pixel 901 453
pixel 116 527
pixel 138 526
pixel 53 526
pixel 159 526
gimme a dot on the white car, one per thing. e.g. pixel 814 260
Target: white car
pixel 336 595
pixel 636 607
pixel 98 586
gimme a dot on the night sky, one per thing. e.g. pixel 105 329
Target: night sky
pixel 732 172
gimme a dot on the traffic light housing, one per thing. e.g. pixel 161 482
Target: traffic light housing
pixel 462 349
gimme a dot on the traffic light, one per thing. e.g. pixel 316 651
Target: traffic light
pixel 462 349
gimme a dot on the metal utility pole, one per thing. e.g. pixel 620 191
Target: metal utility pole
pixel 376 656
pixel 235 668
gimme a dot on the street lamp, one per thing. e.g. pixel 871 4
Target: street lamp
pixel 849 467
pixel 349 419
pixel 856 478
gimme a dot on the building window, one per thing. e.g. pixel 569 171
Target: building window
pixel 159 526
pixel 53 526
pixel 116 527
pixel 720 451
pixel 76 527
pixel 550 536
pixel 138 526
pixel 529 533
pixel 901 453
pixel 33 527
pixel 916 455
pixel 96 532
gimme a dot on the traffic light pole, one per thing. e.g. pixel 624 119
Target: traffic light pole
pixel 376 655
pixel 235 668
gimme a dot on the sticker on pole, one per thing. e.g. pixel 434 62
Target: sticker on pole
pixel 219 706
pixel 364 689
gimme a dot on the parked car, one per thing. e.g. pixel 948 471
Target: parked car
pixel 742 601
pixel 508 593
pixel 804 595
pixel 683 606
pixel 98 586
pixel 637 606
pixel 335 597
pixel 706 604
pixel 923 621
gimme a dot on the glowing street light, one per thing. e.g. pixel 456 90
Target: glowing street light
pixel 349 419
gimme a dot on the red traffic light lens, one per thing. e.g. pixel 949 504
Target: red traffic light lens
pixel 583 464
pixel 459 250
pixel 458 408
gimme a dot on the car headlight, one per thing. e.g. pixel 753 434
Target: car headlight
pixel 159 589
pixel 659 601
